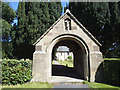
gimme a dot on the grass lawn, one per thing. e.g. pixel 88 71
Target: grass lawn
pixel 31 85
pixel 101 86
pixel 111 58
pixel 69 63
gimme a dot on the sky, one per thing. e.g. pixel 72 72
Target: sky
pixel 14 5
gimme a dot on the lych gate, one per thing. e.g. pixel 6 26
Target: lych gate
pixel 67 31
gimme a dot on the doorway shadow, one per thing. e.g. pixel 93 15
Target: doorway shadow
pixel 60 70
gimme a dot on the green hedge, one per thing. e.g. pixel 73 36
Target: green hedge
pixel 16 72
pixel 112 72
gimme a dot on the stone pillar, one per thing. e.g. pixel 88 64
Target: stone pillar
pixel 96 59
pixel 41 70
pixel 86 70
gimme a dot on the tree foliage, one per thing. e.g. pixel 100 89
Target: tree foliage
pixel 8 15
pixel 34 18
pixel 39 20
pixel 102 19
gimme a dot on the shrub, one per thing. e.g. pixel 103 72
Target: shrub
pixel 70 57
pixel 16 72
pixel 112 72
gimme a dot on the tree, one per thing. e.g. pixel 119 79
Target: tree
pixel 8 13
pixel 8 16
pixel 98 18
pixel 115 29
pixel 6 44
pixel 39 20
pixel 6 29
pixel 21 22
pixel 34 18
pixel 21 40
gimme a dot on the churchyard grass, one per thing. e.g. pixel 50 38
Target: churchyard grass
pixel 111 58
pixel 68 63
pixel 30 85
pixel 101 86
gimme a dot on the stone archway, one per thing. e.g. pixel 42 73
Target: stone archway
pixel 79 49
pixel 87 53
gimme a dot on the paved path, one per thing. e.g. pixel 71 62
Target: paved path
pixel 57 63
pixel 80 86
pixel 64 77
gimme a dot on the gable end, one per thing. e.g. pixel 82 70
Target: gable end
pixel 77 22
